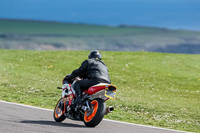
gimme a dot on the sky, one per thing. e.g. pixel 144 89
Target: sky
pixel 172 14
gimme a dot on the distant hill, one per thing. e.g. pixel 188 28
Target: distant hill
pixel 41 35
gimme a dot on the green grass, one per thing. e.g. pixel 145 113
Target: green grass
pixel 154 89
pixel 54 28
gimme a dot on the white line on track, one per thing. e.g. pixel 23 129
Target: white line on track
pixel 103 119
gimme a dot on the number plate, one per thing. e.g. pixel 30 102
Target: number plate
pixel 110 94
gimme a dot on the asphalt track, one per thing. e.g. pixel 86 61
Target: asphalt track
pixel 18 118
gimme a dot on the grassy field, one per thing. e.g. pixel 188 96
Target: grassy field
pixel 154 89
pixel 38 35
pixel 55 28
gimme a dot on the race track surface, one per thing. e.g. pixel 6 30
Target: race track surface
pixel 16 118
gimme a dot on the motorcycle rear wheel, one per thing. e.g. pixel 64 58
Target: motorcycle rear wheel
pixel 58 113
pixel 97 113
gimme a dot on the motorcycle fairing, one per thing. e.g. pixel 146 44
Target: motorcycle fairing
pixel 68 93
pixel 104 91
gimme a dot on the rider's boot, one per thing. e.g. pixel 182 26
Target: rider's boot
pixel 78 100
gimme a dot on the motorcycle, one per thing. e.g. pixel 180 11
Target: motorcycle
pixel 93 107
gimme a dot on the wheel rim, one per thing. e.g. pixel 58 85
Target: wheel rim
pixel 58 111
pixel 90 117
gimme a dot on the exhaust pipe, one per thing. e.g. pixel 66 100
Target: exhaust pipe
pixel 109 109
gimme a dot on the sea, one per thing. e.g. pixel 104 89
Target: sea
pixel 171 14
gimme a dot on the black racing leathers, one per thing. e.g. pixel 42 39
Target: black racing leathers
pixel 93 69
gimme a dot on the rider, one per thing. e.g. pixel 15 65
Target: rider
pixel 93 71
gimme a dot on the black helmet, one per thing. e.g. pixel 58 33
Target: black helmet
pixel 95 54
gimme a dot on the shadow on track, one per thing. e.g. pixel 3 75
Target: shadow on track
pixel 52 123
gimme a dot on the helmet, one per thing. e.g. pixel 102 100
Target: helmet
pixel 95 54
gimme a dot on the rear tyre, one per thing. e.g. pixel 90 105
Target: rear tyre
pixel 58 113
pixel 97 113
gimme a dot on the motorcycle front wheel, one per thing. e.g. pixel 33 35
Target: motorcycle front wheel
pixel 58 113
pixel 94 116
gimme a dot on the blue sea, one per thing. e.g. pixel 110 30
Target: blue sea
pixel 172 14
